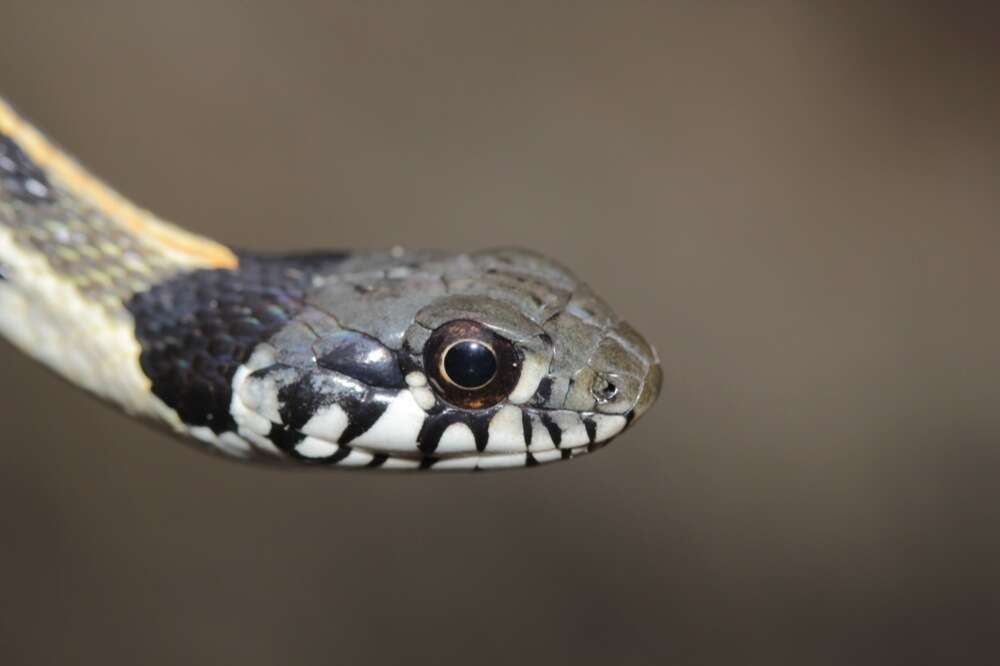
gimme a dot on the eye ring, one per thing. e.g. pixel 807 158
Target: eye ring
pixel 469 365
pixel 463 364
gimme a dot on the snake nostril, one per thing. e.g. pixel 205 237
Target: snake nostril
pixel 605 393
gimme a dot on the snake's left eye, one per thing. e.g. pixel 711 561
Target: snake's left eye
pixel 470 365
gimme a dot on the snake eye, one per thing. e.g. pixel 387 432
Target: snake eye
pixel 470 365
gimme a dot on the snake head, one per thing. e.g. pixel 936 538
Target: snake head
pixel 487 360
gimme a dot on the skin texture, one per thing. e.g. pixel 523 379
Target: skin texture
pixel 333 359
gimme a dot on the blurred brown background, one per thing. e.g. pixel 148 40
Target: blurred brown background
pixel 799 206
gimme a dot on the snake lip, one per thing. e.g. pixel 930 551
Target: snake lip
pixel 350 455
pixel 469 455
pixel 483 461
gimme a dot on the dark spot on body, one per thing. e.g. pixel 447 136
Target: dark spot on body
pixel 591 427
pixel 20 176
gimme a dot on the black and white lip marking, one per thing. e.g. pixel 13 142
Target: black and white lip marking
pixel 324 420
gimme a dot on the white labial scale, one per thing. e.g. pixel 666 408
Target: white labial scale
pixel 251 426
pixel 256 395
pixel 397 428
pixel 462 462
pixel 247 419
pixel 541 440
pixel 260 394
pixel 263 444
pixel 203 434
pixel 51 320
pixel 235 445
pixel 228 442
pixel 502 461
pixel 356 458
pixel 548 456
pixel 506 431
pixel 312 447
pixel 400 463
pixel 456 438
pixel 327 424
pixel 573 431
pixel 608 426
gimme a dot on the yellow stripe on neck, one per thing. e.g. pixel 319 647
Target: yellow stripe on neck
pixel 63 170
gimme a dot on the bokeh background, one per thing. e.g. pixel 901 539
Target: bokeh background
pixel 797 203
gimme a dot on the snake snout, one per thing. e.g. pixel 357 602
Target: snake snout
pixel 651 386
pixel 624 373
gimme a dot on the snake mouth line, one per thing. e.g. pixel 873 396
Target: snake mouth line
pixel 360 456
pixel 461 460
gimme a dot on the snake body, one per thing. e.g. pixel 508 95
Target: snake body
pixel 389 360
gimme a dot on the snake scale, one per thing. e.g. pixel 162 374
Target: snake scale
pixel 388 360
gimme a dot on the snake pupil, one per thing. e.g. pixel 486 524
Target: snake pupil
pixel 470 364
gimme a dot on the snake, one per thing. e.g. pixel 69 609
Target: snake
pixel 391 359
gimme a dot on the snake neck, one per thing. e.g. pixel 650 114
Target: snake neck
pixel 37 173
pixel 73 253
